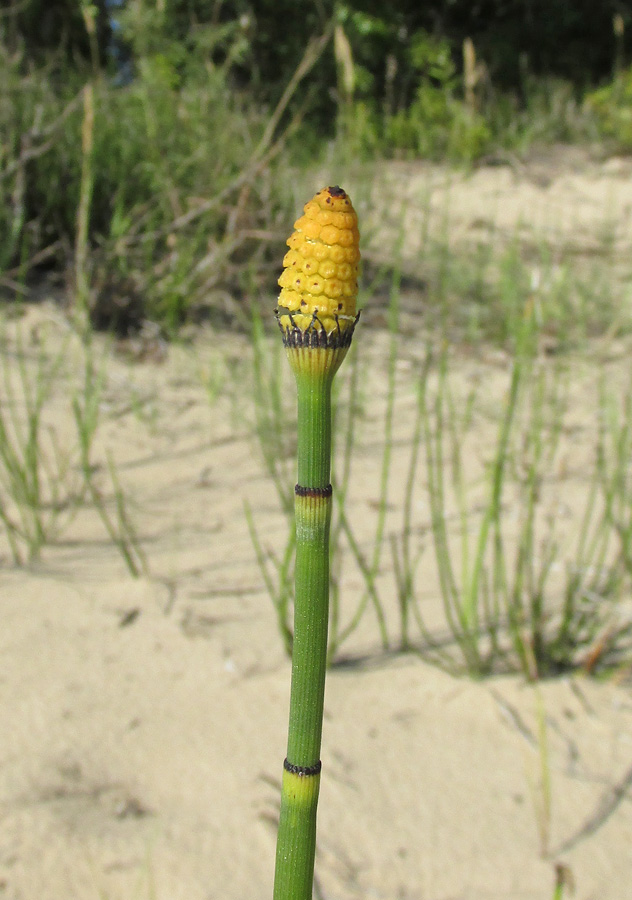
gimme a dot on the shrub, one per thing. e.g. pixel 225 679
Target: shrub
pixel 612 107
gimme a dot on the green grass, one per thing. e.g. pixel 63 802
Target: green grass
pixel 175 205
pixel 34 467
pixel 522 588
pixel 440 501
pixel 176 190
pixel 480 452
pixel 49 425
pixel 544 315
pixel 172 183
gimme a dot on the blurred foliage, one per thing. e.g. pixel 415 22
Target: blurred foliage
pixel 515 38
pixel 53 31
pixel 612 106
pixel 197 111
pixel 437 124
pixel 182 168
pixel 560 39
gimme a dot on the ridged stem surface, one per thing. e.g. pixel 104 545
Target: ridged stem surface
pixel 314 369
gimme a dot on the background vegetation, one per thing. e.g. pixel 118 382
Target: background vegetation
pixel 152 154
pixel 198 110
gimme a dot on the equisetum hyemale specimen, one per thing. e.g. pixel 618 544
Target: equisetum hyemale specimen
pixel 317 316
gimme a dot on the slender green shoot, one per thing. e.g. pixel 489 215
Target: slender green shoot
pixel 317 320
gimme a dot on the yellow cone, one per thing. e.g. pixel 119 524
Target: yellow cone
pixel 319 284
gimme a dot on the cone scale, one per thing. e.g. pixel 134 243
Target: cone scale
pixel 317 316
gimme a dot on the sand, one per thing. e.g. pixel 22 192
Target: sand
pixel 144 719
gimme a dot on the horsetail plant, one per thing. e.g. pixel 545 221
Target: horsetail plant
pixel 317 317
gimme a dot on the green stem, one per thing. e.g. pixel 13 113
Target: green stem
pixel 314 368
pixel 314 428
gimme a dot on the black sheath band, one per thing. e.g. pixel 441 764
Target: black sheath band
pixel 302 770
pixel 323 493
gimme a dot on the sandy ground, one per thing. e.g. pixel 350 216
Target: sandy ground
pixel 144 720
pixel 561 198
